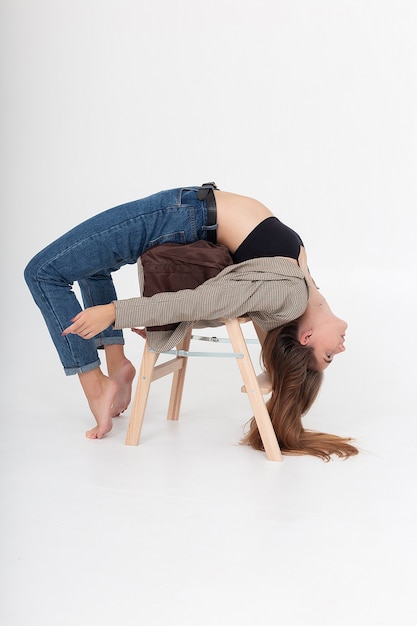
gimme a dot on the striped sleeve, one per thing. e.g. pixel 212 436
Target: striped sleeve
pixel 278 297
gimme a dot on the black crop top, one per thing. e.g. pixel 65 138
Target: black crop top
pixel 270 238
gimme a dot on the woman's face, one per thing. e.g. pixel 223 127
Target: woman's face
pixel 328 339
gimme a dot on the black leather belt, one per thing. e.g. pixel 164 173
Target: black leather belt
pixel 206 193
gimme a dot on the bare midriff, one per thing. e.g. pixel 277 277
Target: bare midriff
pixel 237 216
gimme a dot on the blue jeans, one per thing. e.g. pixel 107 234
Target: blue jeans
pixel 90 252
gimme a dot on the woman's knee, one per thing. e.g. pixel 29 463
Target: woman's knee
pixel 30 272
pixel 33 271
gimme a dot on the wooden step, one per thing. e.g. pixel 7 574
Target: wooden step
pixel 264 383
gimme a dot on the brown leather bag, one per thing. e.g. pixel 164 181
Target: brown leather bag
pixel 173 266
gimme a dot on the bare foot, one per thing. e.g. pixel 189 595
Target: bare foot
pixel 123 377
pixel 101 394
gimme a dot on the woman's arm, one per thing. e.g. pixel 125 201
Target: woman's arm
pixel 278 295
pixel 273 286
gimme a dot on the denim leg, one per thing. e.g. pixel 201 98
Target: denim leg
pixel 58 304
pixel 91 251
pixel 95 290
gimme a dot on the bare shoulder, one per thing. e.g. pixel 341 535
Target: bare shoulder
pixel 302 259
pixel 302 262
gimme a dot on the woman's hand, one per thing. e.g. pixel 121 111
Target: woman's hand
pixel 92 321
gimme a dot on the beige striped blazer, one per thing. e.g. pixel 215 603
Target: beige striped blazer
pixel 272 291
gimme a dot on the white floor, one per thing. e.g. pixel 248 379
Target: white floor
pixel 191 528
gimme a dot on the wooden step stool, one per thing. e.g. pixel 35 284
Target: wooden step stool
pixel 254 386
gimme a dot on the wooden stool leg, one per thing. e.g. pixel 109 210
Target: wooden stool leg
pixel 260 411
pixel 141 396
pixel 178 381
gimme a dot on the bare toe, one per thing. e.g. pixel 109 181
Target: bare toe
pixel 97 432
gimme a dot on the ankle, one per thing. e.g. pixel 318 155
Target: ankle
pixel 115 358
pixel 93 382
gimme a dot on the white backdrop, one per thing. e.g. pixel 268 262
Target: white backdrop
pixel 308 105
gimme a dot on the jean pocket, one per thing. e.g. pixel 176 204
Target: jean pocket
pixel 176 237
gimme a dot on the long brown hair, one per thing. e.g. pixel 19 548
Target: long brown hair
pixel 296 383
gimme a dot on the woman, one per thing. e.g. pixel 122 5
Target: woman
pixel 269 280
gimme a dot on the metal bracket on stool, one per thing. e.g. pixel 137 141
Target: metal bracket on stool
pixel 219 339
pixel 187 353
